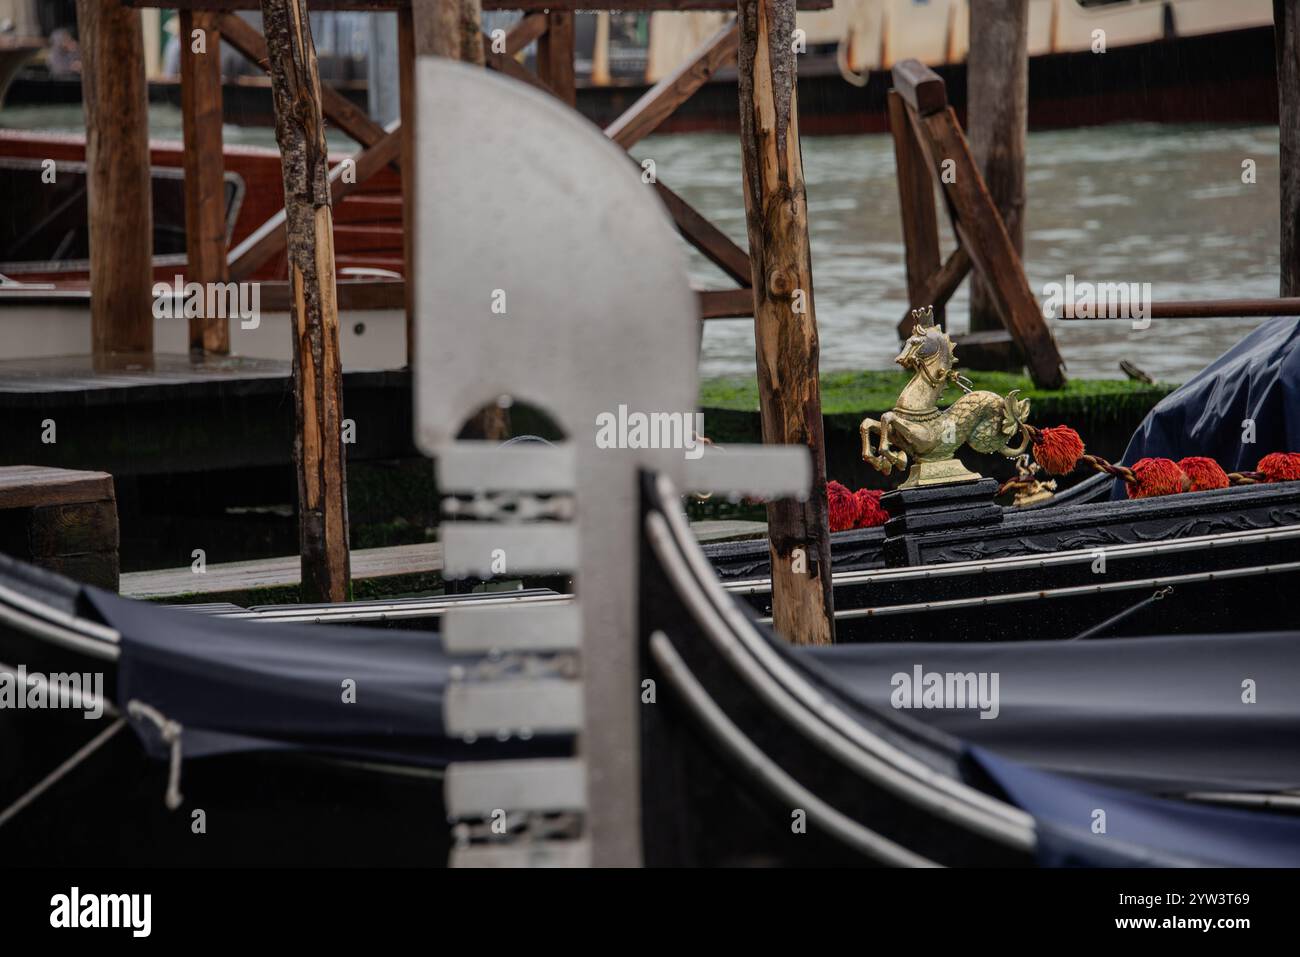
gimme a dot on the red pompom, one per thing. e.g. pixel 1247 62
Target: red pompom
pixel 1280 467
pixel 842 505
pixel 1057 449
pixel 870 512
pixel 1156 477
pixel 1203 473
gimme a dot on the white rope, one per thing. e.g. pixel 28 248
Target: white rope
pixel 171 734
pixel 61 771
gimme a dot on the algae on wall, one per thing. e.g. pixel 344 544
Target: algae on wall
pixel 1104 411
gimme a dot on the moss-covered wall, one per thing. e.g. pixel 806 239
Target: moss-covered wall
pixel 1104 411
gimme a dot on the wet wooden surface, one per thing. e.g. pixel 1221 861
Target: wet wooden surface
pixel 62 520
pixel 28 486
pixel 371 564
pixel 84 373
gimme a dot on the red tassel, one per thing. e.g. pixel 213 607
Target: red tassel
pixel 842 506
pixel 1280 467
pixel 1156 477
pixel 1203 473
pixel 870 513
pixel 1057 450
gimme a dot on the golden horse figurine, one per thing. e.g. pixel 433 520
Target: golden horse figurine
pixel 917 430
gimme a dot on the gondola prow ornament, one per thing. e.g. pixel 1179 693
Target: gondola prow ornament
pixel 916 430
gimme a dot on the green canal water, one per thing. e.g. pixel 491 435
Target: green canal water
pixel 1131 203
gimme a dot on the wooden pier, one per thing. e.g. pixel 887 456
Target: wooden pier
pixel 118 159
pixel 61 520
pixel 167 414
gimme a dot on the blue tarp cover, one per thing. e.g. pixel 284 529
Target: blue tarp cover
pixel 1154 715
pixel 1257 379
pixel 239 685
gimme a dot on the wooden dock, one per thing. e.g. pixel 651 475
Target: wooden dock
pixel 62 520
pixel 165 414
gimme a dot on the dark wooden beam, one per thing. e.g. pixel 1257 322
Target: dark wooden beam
pixel 997 119
pixel 555 50
pixel 785 322
pixel 716 245
pixel 525 32
pixel 725 303
pixel 921 87
pixel 269 239
pixel 205 188
pixel 936 289
pixel 317 370
pixel 512 68
pixel 1286 39
pixel 437 25
pixel 338 109
pixel 352 295
pixel 982 233
pixel 1201 309
pixel 406 97
pixel 660 101
pixel 527 6
pixel 917 209
pixel 120 206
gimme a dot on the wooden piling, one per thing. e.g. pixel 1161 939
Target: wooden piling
pixel 785 325
pixel 920 220
pixel 452 29
pixel 406 103
pixel 120 204
pixel 1286 37
pixel 205 189
pixel 997 121
pixel 317 379
pixel 555 56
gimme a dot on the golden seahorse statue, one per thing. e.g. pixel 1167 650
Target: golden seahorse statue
pixel 918 431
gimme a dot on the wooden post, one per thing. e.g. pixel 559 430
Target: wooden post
pixel 450 28
pixel 406 103
pixel 916 206
pixel 997 119
pixel 117 177
pixel 317 379
pixel 555 56
pixel 471 32
pixel 205 188
pixel 453 29
pixel 1286 35
pixel 785 325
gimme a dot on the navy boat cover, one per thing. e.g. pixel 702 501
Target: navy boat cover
pixel 1080 726
pixel 1257 379
pixel 238 685
pixel 1114 726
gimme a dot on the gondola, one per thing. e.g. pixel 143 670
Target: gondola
pixel 799 731
pixel 654 717
pixel 1088 561
pixel 755 734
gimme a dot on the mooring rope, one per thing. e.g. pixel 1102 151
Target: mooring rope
pixel 53 778
pixel 1097 629
pixel 171 734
